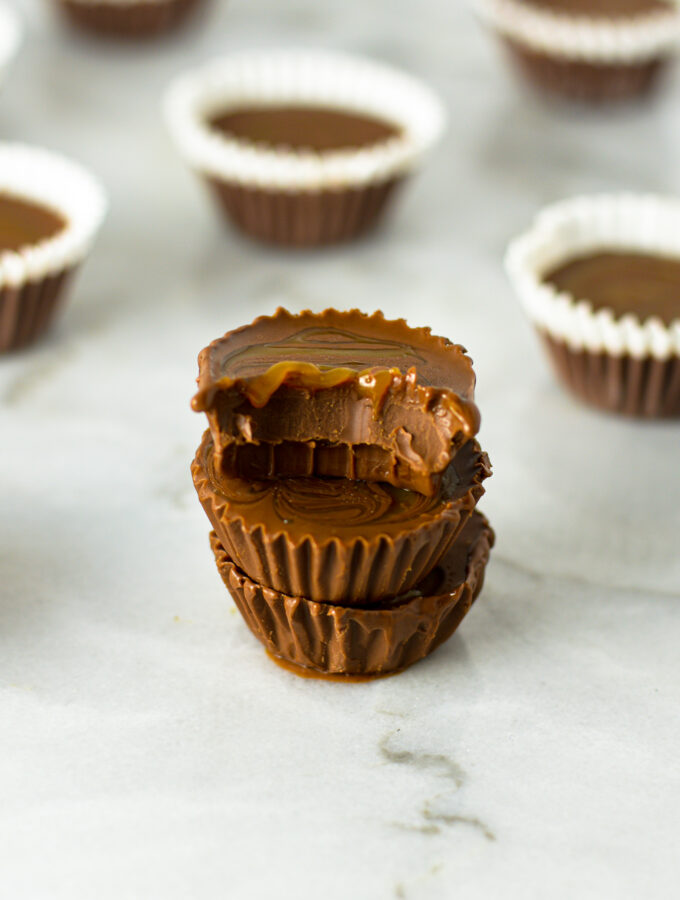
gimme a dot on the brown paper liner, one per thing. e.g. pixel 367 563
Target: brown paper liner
pixel 647 388
pixel 305 218
pixel 375 641
pixel 27 310
pixel 356 571
pixel 133 21
pixel 579 80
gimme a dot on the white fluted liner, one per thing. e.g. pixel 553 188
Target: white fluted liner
pixel 10 37
pixel 310 77
pixel 636 39
pixel 31 173
pixel 642 223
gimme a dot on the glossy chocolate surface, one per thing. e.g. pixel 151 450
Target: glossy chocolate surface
pixel 24 223
pixel 602 8
pixel 345 380
pixel 317 128
pixel 623 282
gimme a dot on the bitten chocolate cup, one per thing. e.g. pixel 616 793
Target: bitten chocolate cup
pixel 336 540
pixel 50 212
pixel 338 394
pixel 302 148
pixel 129 19
pixel 336 640
pixel 600 279
pixel 589 50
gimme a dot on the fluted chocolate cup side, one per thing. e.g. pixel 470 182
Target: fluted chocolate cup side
pixel 337 640
pixel 352 569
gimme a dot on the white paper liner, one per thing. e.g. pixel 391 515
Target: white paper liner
pixel 10 37
pixel 43 177
pixel 576 227
pixel 310 77
pixel 593 39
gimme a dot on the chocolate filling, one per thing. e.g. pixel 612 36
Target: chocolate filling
pixel 314 128
pixel 602 8
pixel 624 282
pixel 24 223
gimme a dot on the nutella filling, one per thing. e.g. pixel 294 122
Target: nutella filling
pixel 624 282
pixel 24 223
pixel 314 128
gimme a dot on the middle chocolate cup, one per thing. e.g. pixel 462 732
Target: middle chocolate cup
pixel 334 540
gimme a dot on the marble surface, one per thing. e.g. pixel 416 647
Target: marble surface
pixel 148 748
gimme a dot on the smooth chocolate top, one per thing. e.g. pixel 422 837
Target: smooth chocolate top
pixel 304 127
pixel 326 508
pixel 610 9
pixel 327 349
pixel 24 223
pixel 637 283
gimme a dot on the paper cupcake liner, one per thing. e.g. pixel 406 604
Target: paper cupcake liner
pixel 353 571
pixel 304 219
pixel 630 40
pixel 294 197
pixel 10 38
pixel 130 19
pixel 337 640
pixel 32 280
pixel 641 223
pixel 586 81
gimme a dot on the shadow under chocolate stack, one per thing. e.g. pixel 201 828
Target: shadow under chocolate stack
pixel 340 473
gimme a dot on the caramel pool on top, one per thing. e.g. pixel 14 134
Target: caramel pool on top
pixel 24 223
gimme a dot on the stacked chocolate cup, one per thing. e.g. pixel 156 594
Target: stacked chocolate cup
pixel 340 473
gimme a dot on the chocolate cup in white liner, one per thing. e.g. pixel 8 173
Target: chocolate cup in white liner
pixel 10 38
pixel 302 198
pixel 621 364
pixel 129 19
pixel 34 279
pixel 589 58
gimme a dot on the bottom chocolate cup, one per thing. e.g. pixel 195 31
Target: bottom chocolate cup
pixel 580 80
pixel 144 19
pixel 385 638
pixel 647 387
pixel 27 310
pixel 305 218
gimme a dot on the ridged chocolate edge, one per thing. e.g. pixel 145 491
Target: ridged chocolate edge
pixel 586 81
pixel 355 572
pixel 305 218
pixel 647 388
pixel 27 310
pixel 349 641
pixel 129 20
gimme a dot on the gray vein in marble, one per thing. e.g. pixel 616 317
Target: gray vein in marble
pixel 445 767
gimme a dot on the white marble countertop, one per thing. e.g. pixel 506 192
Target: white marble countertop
pixel 148 748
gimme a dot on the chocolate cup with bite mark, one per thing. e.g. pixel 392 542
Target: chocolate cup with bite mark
pixel 337 394
pixel 580 80
pixel 129 21
pixel 335 540
pixel 377 640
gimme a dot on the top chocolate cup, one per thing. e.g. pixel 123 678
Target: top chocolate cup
pixel 300 182
pixel 50 212
pixel 600 279
pixel 339 394
pixel 591 50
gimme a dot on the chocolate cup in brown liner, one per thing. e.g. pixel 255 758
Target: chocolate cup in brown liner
pixel 304 218
pixel 585 81
pixel 374 398
pixel 131 21
pixel 335 540
pixel 28 310
pixel 337 640
pixel 646 388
